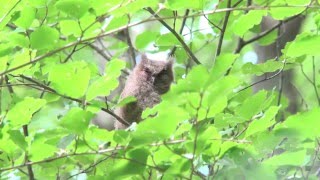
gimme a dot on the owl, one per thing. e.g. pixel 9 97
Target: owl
pixel 147 82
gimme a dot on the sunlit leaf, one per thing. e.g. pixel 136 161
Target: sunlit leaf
pixel 76 120
pixel 71 79
pixel 22 112
pixel 247 21
pixel 105 84
pixel 74 8
pixel 44 38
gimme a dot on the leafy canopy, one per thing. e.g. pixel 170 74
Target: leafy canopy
pixel 61 61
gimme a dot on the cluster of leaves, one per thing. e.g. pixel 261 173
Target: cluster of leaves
pixel 209 125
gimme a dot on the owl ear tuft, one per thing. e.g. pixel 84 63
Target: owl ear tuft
pixel 144 59
pixel 170 61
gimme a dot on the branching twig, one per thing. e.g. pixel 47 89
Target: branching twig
pixel 109 150
pixel 223 29
pixel 184 45
pixel 314 80
pixel 37 59
pixel 265 79
pixel 196 137
pixel 74 99
pixel 181 30
pixel 26 134
pixel 314 158
pixel 131 49
pixel 8 13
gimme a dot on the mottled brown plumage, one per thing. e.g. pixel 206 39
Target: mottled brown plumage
pixel 146 83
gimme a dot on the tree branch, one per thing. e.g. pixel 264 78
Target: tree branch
pixel 111 150
pixel 181 30
pixel 223 29
pixel 37 59
pixel 50 90
pixel 184 45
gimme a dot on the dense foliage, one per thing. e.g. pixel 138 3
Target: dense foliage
pixel 211 124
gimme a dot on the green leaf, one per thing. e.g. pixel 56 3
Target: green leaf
pixel 6 12
pixel 243 24
pixel 132 165
pixel 159 127
pixel 179 166
pixel 281 13
pixel 114 67
pixel 105 84
pixel 227 120
pixel 194 82
pixel 220 89
pixel 117 22
pixel 121 137
pixel 18 139
pixel 74 8
pixel 27 15
pixel 146 39
pixel 91 25
pixel 3 63
pixel 19 40
pixel 185 4
pixel 268 39
pixel 127 100
pixel 133 7
pixel 76 120
pixel 101 87
pixel 221 66
pixel 70 27
pixel 252 106
pixel 308 119
pixel 23 111
pixel 22 58
pixel 71 78
pixel 298 46
pixel 205 135
pixel 289 158
pixel 260 69
pixel 38 3
pixel 44 38
pixel 40 149
pixel 263 123
pixel 167 41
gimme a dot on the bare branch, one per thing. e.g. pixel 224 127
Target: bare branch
pixel 223 30
pixel 37 59
pixel 181 30
pixel 184 45
pixel 50 90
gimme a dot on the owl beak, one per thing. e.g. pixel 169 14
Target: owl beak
pixel 152 79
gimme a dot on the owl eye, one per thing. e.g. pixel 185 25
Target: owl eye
pixel 146 70
pixel 162 75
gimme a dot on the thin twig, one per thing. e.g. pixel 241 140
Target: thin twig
pixel 180 31
pixel 278 52
pixel 109 150
pixel 265 79
pixel 314 158
pixel 74 99
pixel 314 80
pixel 196 136
pixel 7 14
pixel 37 59
pixel 223 30
pixel 131 48
pixel 184 45
pixel 26 134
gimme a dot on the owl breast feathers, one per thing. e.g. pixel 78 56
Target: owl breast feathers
pixel 148 80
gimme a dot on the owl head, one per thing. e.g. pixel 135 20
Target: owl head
pixel 157 73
